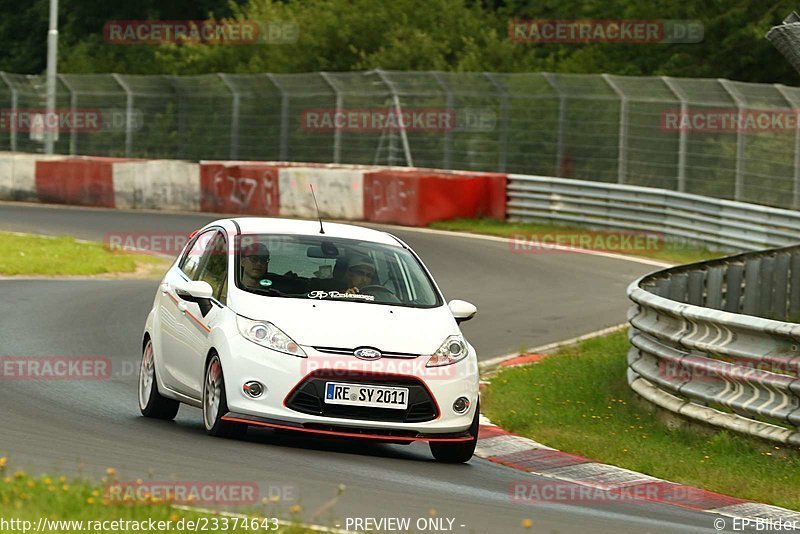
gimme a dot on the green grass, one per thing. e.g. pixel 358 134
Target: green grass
pixel 27 498
pixel 579 401
pixel 672 252
pixel 23 254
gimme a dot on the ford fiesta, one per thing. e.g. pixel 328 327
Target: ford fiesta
pixel 331 329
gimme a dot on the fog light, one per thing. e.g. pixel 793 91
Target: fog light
pixel 461 405
pixel 253 389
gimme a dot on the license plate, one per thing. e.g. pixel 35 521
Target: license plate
pixel 361 395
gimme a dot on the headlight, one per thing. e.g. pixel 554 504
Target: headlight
pixel 268 335
pixel 454 349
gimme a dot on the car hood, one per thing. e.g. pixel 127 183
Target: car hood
pixel 326 323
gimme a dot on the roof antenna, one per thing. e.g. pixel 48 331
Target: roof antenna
pixel 317 206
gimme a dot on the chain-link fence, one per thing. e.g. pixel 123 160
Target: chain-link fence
pixel 712 137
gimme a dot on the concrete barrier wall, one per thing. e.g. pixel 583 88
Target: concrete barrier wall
pixel 18 175
pixel 398 195
pixel 157 184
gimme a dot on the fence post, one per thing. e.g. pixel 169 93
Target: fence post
pixel 796 182
pixel 73 104
pixel 448 134
pixel 562 121
pixel 128 114
pixel 399 111
pixel 503 141
pixel 738 190
pixel 284 144
pixel 622 158
pixel 681 96
pixel 180 120
pixel 337 133
pixel 235 104
pixel 12 132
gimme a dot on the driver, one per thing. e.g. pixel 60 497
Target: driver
pixel 358 275
pixel 255 261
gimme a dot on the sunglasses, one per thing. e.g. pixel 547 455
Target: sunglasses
pixel 258 259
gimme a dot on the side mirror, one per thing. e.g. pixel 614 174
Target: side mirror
pixel 462 310
pixel 194 290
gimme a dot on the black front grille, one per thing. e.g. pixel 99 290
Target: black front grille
pixel 349 352
pixel 309 397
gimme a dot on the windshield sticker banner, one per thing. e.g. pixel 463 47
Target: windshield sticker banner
pixel 338 295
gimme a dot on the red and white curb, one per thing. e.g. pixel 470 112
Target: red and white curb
pixel 607 482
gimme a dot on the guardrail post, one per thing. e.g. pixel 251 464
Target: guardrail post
pixel 622 158
pixel 733 287
pixel 678 287
pixel 697 280
pixel 752 282
pixel 714 285
pixel 12 131
pixel 503 140
pixel 128 114
pixel 680 94
pixel 766 287
pixel 562 121
pixel 794 288
pixel 73 104
pixel 780 283
pixel 448 134
pixel 283 151
pixel 738 189
pixel 235 105
pixel 796 181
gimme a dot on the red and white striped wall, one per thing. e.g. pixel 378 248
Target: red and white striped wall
pixel 400 195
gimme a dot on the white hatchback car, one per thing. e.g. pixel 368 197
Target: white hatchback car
pixel 331 329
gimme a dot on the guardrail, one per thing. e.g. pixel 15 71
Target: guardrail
pixel 713 341
pixel 678 216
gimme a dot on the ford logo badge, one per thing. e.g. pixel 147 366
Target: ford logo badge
pixel 367 354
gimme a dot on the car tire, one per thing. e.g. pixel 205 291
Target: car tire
pixel 215 403
pixel 151 403
pixel 459 452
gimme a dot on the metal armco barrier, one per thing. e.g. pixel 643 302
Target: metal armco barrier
pixel 717 342
pixel 678 216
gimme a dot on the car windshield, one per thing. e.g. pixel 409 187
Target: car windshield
pixel 327 268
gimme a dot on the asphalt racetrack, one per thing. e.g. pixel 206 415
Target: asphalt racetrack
pixel 523 300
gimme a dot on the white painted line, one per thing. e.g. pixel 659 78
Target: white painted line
pixel 597 475
pixel 281 522
pixel 543 349
pixel 506 444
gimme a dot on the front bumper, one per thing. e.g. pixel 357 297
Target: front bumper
pixel 348 432
pixel 282 375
